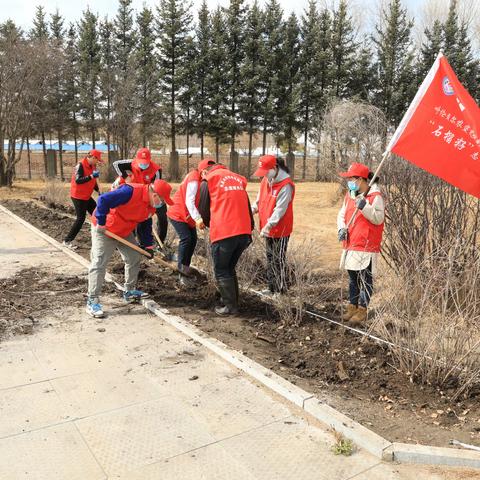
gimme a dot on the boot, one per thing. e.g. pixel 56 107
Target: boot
pixel 237 288
pixel 349 312
pixel 360 316
pixel 228 291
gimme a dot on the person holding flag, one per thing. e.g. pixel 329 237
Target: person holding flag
pixel 360 224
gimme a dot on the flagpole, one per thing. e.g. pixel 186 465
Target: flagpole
pixel 385 155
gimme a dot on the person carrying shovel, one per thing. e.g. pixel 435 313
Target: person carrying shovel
pixel 120 211
pixel 142 169
pixel 185 219
pixel 360 225
pixel 84 181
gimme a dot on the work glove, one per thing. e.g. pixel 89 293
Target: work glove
pixel 95 174
pixel 101 229
pixel 361 202
pixel 199 223
pixel 150 251
pixel 342 234
pixel 265 230
pixel 254 209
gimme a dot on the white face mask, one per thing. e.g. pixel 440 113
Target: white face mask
pixel 271 174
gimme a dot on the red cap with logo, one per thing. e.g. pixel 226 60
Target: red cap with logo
pixel 96 153
pixel 265 163
pixel 143 155
pixel 204 164
pixel 163 189
pixel 356 170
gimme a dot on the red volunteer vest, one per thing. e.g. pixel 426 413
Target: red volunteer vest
pixel 229 208
pixel 179 211
pixel 266 204
pixel 362 234
pixel 143 176
pixel 83 191
pixel 123 219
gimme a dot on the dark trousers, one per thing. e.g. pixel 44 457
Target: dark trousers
pixel 188 241
pixel 81 209
pixel 162 222
pixel 226 254
pixel 361 286
pixel 277 263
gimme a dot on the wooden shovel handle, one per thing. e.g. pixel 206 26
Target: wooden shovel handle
pixel 127 243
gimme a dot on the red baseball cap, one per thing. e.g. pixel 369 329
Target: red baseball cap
pixel 143 155
pixel 265 163
pixel 205 163
pixel 163 189
pixel 96 153
pixel 356 170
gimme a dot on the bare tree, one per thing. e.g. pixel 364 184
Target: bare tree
pixel 25 71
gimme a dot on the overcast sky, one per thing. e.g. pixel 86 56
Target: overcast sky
pixel 21 11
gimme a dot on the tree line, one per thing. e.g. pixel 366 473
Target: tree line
pixel 215 73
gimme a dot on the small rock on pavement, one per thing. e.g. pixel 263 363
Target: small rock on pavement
pixel 195 377
pixel 101 329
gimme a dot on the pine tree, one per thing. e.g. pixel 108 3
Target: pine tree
pixel 39 33
pixel 288 92
pixel 89 70
pixel 362 82
pixel 429 49
pixel 147 74
pixel 125 104
pixel 235 20
pixel 344 50
pixel 40 25
pixel 58 96
pixel 174 22
pixel 252 73
pixel 107 76
pixel 202 70
pixel 71 82
pixel 218 112
pixel 395 75
pixel 272 64
pixel 310 72
pixel 458 49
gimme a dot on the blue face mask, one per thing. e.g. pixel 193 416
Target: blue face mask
pixel 158 205
pixel 352 186
pixel 143 166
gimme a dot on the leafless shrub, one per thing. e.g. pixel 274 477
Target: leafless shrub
pixel 252 264
pixel 55 193
pixel 351 132
pixel 430 305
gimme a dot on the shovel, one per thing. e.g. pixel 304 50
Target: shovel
pixel 158 260
pixel 167 255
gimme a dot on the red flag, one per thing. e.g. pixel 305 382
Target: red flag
pixel 440 130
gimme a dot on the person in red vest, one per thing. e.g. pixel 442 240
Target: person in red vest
pixel 121 211
pixel 83 183
pixel 143 170
pixel 274 205
pixel 225 208
pixel 361 238
pixel 185 219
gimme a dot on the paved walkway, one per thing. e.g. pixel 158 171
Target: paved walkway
pixel 142 401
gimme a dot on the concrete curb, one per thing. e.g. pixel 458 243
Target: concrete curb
pixel 360 435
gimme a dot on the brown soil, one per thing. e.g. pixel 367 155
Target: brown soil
pixel 351 373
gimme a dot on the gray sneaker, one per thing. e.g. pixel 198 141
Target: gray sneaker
pixel 69 245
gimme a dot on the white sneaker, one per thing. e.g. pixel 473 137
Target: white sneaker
pixel 94 309
pixel 69 245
